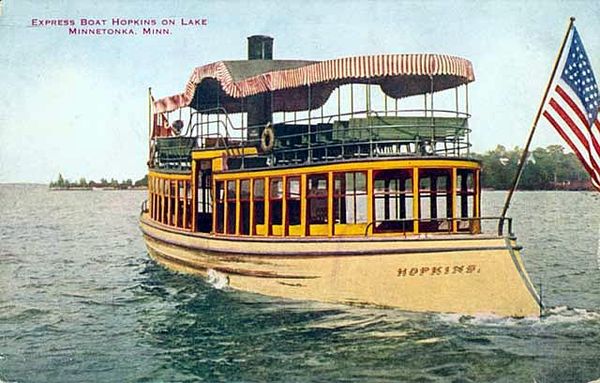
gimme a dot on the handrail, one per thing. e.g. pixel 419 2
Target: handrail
pixel 225 113
pixel 450 221
pixel 390 113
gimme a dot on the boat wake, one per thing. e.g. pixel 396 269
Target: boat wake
pixel 564 314
pixel 551 316
pixel 216 279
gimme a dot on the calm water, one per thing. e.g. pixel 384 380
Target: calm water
pixel 81 302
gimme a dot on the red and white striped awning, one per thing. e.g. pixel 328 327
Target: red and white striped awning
pixel 399 75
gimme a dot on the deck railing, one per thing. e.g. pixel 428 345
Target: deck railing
pixel 474 225
pixel 357 134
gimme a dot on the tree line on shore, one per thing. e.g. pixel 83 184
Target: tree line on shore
pixel 63 183
pixel 547 168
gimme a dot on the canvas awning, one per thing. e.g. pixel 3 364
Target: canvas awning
pixel 228 84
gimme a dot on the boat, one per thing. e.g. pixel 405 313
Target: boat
pixel 322 181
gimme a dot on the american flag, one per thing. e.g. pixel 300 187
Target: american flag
pixel 573 106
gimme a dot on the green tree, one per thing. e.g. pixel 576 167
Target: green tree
pixel 546 168
pixel 61 181
pixel 142 182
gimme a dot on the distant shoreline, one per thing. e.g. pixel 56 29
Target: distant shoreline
pixel 96 188
pixel 111 188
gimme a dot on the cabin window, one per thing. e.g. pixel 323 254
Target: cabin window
pixel 159 201
pixel 435 200
pixel 204 196
pixel 164 193
pixel 167 191
pixel 275 200
pixel 152 185
pixel 187 203
pixel 154 194
pixel 245 207
pixel 204 202
pixel 165 211
pixel 293 200
pixel 465 197
pixel 166 202
pixel 393 197
pixel 171 190
pixel 220 209
pixel 179 200
pixel 181 204
pixel 150 196
pixel 350 197
pixel 231 207
pixel 258 196
pixel 316 198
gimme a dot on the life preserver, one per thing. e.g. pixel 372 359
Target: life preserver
pixel 267 138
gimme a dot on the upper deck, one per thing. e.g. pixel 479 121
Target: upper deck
pixel 264 113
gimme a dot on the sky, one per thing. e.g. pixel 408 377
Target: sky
pixel 77 105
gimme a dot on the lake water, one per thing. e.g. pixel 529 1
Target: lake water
pixel 81 302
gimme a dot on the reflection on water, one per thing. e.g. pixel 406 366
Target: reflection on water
pixel 80 301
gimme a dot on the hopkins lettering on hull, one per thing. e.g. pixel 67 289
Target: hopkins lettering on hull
pixel 438 270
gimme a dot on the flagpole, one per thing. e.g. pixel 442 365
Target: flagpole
pixel 532 131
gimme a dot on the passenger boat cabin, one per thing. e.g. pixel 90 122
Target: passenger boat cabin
pixel 289 148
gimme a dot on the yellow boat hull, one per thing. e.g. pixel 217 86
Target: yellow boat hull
pixel 468 274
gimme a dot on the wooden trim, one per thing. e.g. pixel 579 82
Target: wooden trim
pixel 217 153
pixel 154 210
pixel 370 200
pixel 252 231
pixel 156 201
pixel 194 207
pixel 215 204
pixel 170 203
pixel 177 203
pixel 238 202
pixel 454 199
pixel 149 196
pixel 267 212
pixel 284 218
pixel 355 229
pixel 416 200
pixel 330 204
pixel 225 209
pixel 166 191
pixel 160 194
pixel 353 166
pixel 186 213
pixel 170 176
pixel 393 238
pixel 303 191
pixel 348 252
pixel 476 200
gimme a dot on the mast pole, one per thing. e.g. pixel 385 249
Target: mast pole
pixel 149 124
pixel 532 131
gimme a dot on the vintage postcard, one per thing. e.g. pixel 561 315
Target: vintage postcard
pixel 368 191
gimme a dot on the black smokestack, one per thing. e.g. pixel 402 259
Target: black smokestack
pixel 260 47
pixel 259 106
